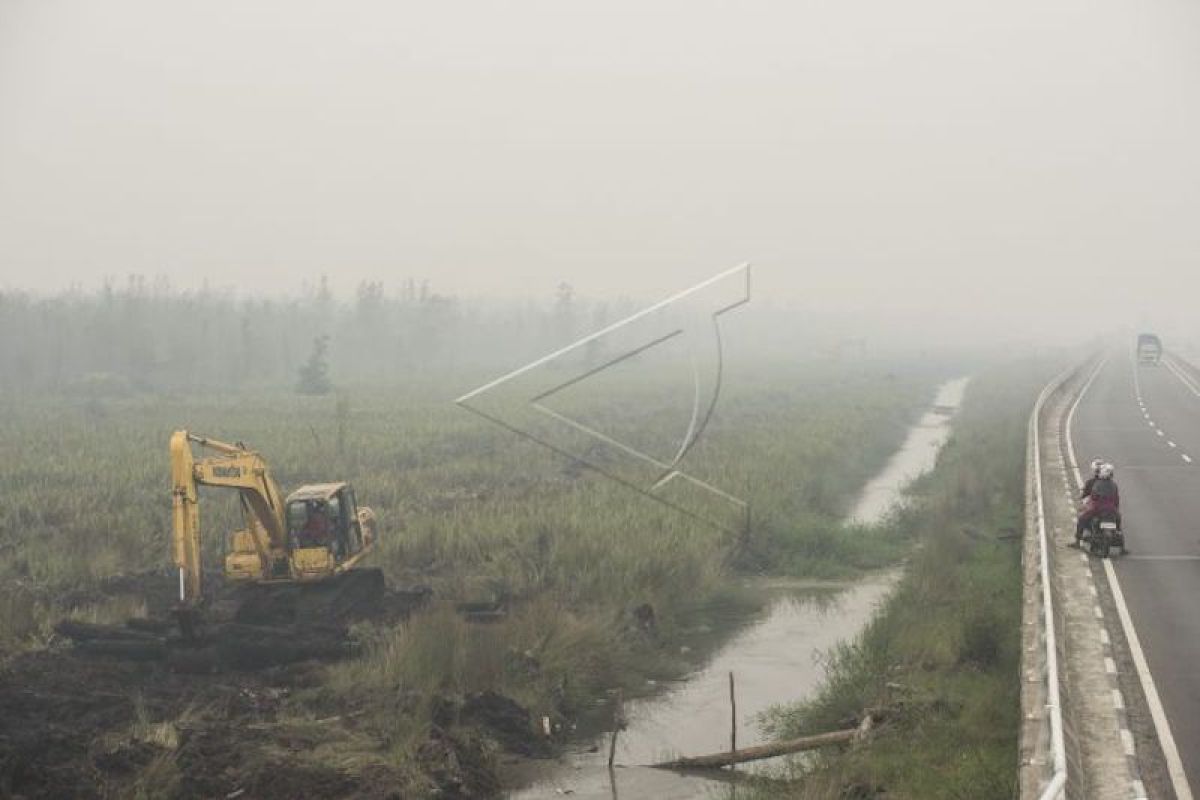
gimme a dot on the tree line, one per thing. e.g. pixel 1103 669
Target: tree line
pixel 140 335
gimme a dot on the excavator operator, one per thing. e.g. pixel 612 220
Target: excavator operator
pixel 318 530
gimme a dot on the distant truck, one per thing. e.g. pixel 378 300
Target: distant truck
pixel 1149 349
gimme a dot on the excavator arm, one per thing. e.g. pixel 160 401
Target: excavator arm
pixel 233 467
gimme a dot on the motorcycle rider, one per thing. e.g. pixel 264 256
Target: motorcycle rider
pixel 1097 463
pixel 1101 494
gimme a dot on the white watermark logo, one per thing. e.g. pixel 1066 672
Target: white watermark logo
pixel 517 401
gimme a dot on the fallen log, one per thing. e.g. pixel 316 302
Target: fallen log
pixel 729 758
pixel 90 632
pixel 126 649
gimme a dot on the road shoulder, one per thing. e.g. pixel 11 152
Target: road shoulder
pixel 1100 747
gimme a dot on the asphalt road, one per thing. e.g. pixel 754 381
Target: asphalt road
pixel 1146 420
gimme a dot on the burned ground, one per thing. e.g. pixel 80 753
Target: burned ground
pixel 136 711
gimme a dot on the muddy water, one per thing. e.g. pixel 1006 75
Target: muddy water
pixel 914 458
pixel 775 658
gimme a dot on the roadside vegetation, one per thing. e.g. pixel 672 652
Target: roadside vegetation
pixel 468 509
pixel 940 662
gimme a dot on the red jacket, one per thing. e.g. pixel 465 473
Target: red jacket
pixel 1103 496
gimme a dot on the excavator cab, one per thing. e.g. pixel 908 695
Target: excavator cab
pixel 326 529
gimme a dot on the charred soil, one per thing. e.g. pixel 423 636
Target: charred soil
pixel 136 711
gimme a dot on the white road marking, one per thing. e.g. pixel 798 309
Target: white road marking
pixel 1161 726
pixel 1071 416
pixel 1118 700
pixel 1187 458
pixel 1110 666
pixel 1104 640
pixel 1127 741
pixel 1171 444
pixel 1188 383
pixel 1170 751
pixel 1099 613
pixel 1160 433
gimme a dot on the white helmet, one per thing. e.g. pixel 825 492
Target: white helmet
pixel 1105 471
pixel 1097 463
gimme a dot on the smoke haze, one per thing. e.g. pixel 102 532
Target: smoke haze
pixel 946 164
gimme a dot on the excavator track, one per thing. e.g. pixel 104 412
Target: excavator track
pixel 354 594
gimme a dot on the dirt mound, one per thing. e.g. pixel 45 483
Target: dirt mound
pixel 212 767
pixel 507 721
pixel 222 646
pixel 253 627
pixel 459 766
pixel 157 587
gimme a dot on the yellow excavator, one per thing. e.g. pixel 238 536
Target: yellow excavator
pixel 314 534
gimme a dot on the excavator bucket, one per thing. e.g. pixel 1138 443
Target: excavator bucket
pixel 190 622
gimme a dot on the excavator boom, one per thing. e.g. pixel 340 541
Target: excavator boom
pixel 233 467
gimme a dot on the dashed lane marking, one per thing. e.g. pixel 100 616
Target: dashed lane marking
pixel 1162 727
pixel 1188 383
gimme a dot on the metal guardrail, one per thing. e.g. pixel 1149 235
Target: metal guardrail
pixel 1058 779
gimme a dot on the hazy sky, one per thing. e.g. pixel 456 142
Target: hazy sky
pixel 895 157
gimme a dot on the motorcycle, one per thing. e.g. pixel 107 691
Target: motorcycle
pixel 1102 533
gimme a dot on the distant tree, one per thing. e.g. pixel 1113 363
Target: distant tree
pixel 324 296
pixel 370 298
pixel 242 365
pixel 564 312
pixel 314 374
pixel 593 351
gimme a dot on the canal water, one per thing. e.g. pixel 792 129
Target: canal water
pixel 776 658
pixel 915 457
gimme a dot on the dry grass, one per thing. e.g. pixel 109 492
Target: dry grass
pixel 463 505
pixel 943 654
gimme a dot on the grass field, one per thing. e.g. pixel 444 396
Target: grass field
pixel 465 507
